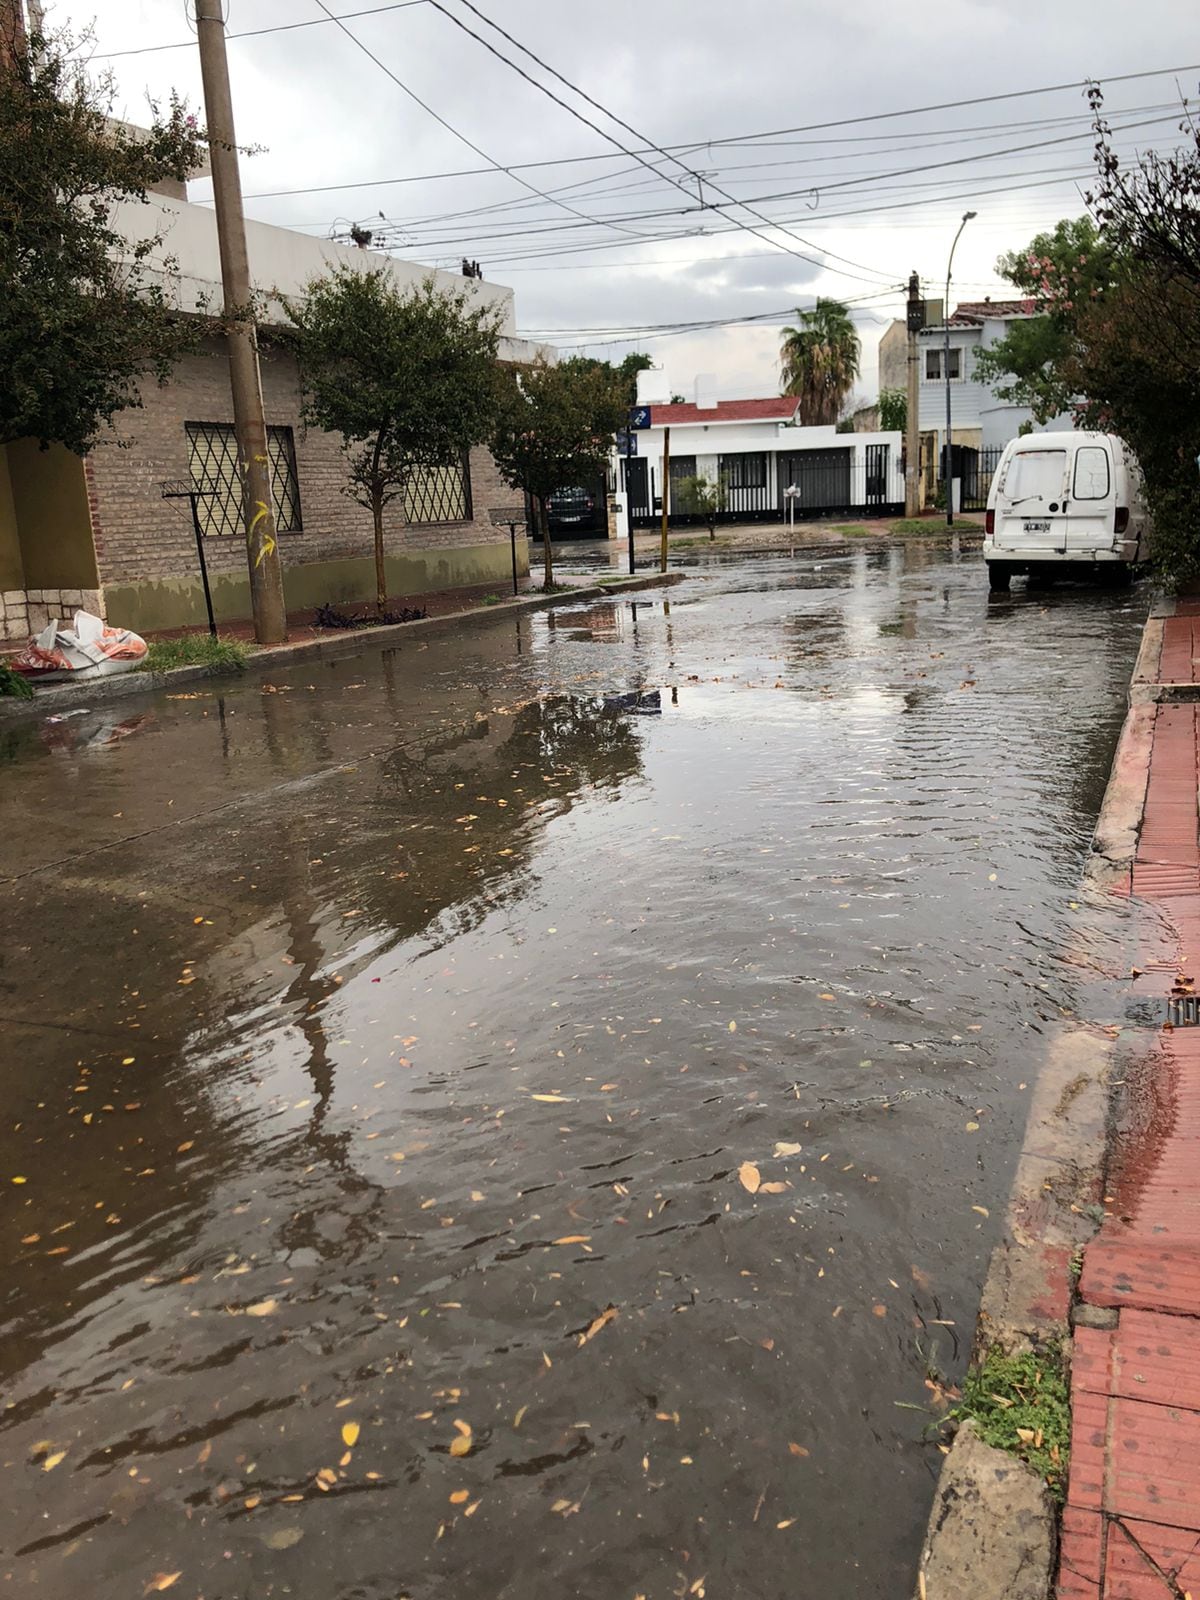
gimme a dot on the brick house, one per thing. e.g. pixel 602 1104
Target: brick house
pixel 97 531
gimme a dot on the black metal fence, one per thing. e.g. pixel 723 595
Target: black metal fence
pixel 976 469
pixel 799 485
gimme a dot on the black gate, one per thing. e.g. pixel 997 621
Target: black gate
pixel 637 486
pixel 819 480
pixel 876 493
pixel 976 469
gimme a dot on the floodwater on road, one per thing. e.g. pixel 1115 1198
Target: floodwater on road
pixel 525 1113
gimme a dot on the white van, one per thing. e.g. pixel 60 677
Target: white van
pixel 1065 501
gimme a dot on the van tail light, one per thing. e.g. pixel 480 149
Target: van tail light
pixel 1122 521
pixel 989 523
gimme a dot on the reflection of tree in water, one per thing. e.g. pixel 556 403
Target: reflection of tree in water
pixel 510 775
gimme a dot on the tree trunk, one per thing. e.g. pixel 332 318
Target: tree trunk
pixel 547 552
pixel 712 529
pixel 380 569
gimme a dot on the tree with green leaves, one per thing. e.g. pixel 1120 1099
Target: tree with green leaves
pixel 623 372
pixel 554 428
pixel 407 377
pixel 819 361
pixel 698 496
pixel 84 314
pixel 893 410
pixel 1066 271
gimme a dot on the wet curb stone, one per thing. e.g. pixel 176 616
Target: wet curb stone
pixel 54 697
pixel 993 1530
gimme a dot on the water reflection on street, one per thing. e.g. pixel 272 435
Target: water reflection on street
pixel 392 1048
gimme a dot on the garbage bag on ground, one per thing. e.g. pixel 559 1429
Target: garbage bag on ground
pixel 88 649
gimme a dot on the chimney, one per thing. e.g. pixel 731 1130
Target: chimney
pixel 706 391
pixel 653 388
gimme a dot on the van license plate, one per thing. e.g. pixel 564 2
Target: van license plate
pixel 1037 527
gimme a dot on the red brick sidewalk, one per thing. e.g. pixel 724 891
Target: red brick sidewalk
pixel 1131 1528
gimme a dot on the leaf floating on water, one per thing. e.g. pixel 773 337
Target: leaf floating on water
pixel 797 1450
pixel 49 1464
pixel 783 1149
pixel 879 1310
pixel 972 1127
pixel 460 1497
pixel 733 1027
pixel 263 1308
pixel 786 1523
pixel 608 1315
pixel 982 1210
pixel 350 1432
pixel 550 1099
pixel 472 1508
pixel 520 1414
pixel 283 1538
pixel 574 1238
pixel 772 1188
pixel 462 1445
pixel 161 1581
pixel 749 1177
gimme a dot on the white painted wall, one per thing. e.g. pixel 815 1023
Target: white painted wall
pixel 282 262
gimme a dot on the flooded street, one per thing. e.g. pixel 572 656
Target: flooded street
pixel 521 1115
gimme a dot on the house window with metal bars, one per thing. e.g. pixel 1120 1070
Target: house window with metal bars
pixel 439 494
pixel 213 461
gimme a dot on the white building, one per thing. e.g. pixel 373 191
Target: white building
pixel 768 464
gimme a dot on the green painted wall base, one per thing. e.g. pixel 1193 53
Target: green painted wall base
pixel 148 605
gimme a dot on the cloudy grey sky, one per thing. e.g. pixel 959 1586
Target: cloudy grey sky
pixel 608 229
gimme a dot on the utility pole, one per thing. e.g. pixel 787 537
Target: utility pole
pixel 666 496
pixel 912 419
pixel 241 336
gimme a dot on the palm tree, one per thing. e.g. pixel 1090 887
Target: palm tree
pixel 819 361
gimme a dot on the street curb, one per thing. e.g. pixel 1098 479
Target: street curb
pixel 1054 1205
pixel 53 697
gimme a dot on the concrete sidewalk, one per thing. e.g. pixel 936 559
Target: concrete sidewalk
pixel 1131 1527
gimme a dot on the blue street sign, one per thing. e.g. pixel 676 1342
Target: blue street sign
pixel 639 417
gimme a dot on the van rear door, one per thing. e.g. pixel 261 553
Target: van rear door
pixel 1091 503
pixel 1034 480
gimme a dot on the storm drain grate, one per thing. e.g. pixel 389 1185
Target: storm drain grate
pixel 1183 1011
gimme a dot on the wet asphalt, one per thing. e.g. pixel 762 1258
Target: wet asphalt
pixel 524 1113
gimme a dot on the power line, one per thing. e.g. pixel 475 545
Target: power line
pixel 428 109
pixel 256 33
pixel 620 121
pixel 705 144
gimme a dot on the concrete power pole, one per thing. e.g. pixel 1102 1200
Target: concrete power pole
pixel 241 337
pixel 912 420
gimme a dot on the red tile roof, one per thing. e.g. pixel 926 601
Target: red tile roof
pixel 969 311
pixel 778 408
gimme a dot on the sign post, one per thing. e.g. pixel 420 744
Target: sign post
pixel 639 418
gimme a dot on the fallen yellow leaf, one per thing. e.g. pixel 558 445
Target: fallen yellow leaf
pixel 350 1434
pixel 550 1099
pixel 460 1497
pixel 575 1238
pixel 462 1445
pixel 52 1461
pixel 161 1581
pixel 772 1188
pixel 264 1308
pixel 749 1177
pixel 608 1315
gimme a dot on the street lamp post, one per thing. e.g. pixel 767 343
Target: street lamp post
pixel 948 458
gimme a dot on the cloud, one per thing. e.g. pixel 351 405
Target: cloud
pixel 680 71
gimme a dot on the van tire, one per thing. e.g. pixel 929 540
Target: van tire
pixel 999 574
pixel 1115 575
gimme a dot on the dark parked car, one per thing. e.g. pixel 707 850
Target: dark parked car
pixel 573 509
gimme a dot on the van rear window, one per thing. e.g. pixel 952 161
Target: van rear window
pixel 1091 472
pixel 1033 473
